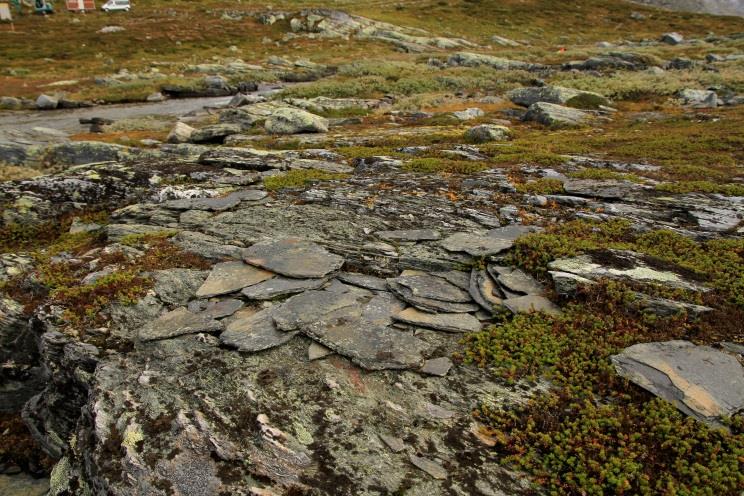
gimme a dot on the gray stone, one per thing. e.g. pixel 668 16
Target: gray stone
pixel 487 132
pixel 354 324
pixel 46 102
pixel 222 308
pixel 295 121
pixel 181 133
pixel 469 59
pixel 255 332
pixel 23 485
pixel 610 189
pixel 317 351
pixel 468 114
pixel 10 103
pixel 116 232
pixel 432 287
pixel 482 245
pixel 410 235
pixel 176 323
pixel 699 98
pixel 553 115
pixel 293 257
pixel 363 281
pixel 432 468
pixel 459 278
pixel 702 382
pixel 437 366
pixel 664 307
pixel 452 322
pixel 177 286
pixel 215 133
pixel 229 277
pixel 281 286
pixel 532 303
pixel 484 290
pixel 428 304
pixel 672 38
pixel 558 95
pixel 567 284
pixel 395 444
pixel 516 280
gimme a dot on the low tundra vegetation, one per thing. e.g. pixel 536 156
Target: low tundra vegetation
pixel 593 432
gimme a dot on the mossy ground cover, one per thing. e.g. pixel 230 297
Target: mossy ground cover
pixel 594 433
pixel 297 178
pixel 57 275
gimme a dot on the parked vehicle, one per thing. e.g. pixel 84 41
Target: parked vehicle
pixel 114 5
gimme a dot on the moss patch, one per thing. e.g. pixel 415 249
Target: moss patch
pixel 297 178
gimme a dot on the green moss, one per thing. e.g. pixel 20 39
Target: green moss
pixel 604 174
pixel 594 433
pixel 297 178
pixel 587 101
pixel 436 165
pixel 542 186
pixel 522 153
pixel 702 187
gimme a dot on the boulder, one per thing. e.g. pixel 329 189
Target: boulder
pixel 700 381
pixel 672 38
pixel 10 103
pixel 553 115
pixel 215 133
pixel 487 132
pixel 468 114
pixel 559 95
pixel 295 121
pixel 699 98
pixel 181 133
pixel 46 102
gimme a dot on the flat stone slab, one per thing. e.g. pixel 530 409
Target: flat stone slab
pixel 532 303
pixel 484 290
pixel 222 308
pixel 432 287
pixel 483 245
pixel 432 468
pixel 363 281
pixel 255 332
pixel 452 322
pixel 293 257
pixel 317 351
pixel 410 235
pixel 437 366
pixel 229 277
pixel 355 324
pixel 395 444
pixel 701 381
pixel 176 323
pixel 429 304
pixel 516 280
pixel 624 265
pixel 281 286
pixel 303 309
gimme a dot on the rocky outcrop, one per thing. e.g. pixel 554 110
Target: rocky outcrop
pixel 292 121
pixel 553 115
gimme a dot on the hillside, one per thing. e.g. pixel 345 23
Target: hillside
pixel 720 7
pixel 410 247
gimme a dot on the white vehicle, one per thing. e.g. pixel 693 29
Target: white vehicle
pixel 114 5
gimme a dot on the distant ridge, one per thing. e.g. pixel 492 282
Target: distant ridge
pixel 722 7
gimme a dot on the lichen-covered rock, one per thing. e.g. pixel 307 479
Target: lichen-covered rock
pixel 295 121
pixel 553 115
pixel 487 132
pixel 559 95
